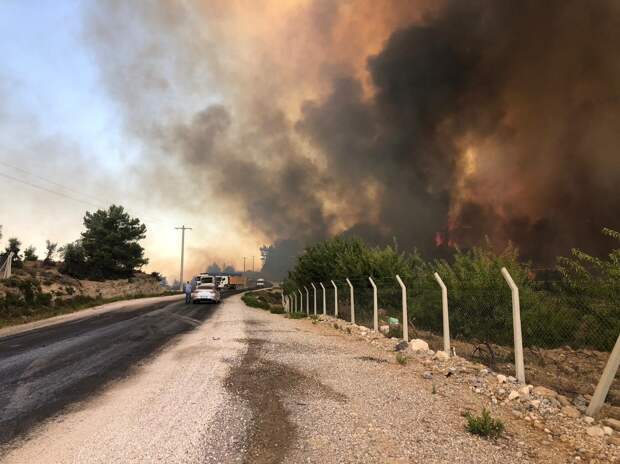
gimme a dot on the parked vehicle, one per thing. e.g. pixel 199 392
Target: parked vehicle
pixel 237 281
pixel 260 282
pixel 205 279
pixel 221 281
pixel 206 293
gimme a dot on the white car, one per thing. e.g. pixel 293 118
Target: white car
pixel 205 293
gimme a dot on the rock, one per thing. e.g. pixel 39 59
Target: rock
pixel 501 392
pixel 512 379
pixel 441 356
pixel 563 400
pixel 513 395
pixel 544 392
pixel 571 411
pixel 595 431
pixel 418 345
pixel 501 378
pixel 608 430
pixel 535 404
pixel 477 390
pixel 614 441
pixel 524 392
pixel 580 402
pixel 452 370
pixel 428 375
pixel 588 420
pixel 613 423
pixel 484 371
pixel 384 329
pixel 401 346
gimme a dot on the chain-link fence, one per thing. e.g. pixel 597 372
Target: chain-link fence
pixel 567 333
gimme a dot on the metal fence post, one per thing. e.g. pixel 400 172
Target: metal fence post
pixel 405 317
pixel 335 299
pixel 307 301
pixel 5 269
pixel 352 301
pixel 609 373
pixel 314 290
pixel 516 326
pixel 375 313
pixel 301 301
pixel 444 310
pixel 324 300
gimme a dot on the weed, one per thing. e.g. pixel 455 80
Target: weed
pixel 336 326
pixel 276 310
pixel 484 425
pixel 349 330
pixel 434 390
pixel 255 301
pixel 401 359
pixel 297 315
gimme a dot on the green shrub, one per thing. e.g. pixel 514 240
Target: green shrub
pixel 277 310
pixel 484 425
pixel 297 315
pixel 401 359
pixel 254 300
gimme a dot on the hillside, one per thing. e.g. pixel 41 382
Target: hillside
pixel 37 291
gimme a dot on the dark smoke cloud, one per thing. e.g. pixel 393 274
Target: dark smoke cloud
pixel 539 81
pixel 485 117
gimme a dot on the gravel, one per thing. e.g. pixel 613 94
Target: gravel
pixel 250 386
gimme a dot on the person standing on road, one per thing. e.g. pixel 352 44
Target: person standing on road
pixel 188 293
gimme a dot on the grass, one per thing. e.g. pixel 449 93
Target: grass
pixel 254 300
pixel 402 359
pixel 296 315
pixel 72 305
pixel 484 425
pixel 277 310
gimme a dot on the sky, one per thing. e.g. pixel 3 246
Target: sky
pixel 59 126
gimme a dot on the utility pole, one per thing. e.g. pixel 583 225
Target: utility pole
pixel 252 263
pixel 182 229
pixel 244 264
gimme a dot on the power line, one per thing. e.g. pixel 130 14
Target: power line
pixel 57 184
pixel 70 197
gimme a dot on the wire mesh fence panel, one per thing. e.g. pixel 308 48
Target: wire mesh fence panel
pixel 389 298
pixel 344 301
pixel 425 312
pixel 364 307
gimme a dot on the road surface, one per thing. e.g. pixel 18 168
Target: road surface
pixel 165 382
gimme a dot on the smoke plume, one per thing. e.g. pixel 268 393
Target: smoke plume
pixel 435 123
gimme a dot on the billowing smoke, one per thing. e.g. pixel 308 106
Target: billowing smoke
pixel 446 123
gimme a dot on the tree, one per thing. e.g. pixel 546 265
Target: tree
pixel 228 269
pixel 15 247
pixel 30 254
pixel 214 268
pixel 50 251
pixel 74 260
pixel 110 243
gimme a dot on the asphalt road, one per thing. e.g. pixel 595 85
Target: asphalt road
pixel 48 368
